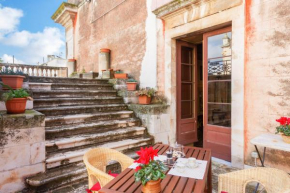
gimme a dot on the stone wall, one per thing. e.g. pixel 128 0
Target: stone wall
pixel 115 24
pixel 22 149
pixel 267 73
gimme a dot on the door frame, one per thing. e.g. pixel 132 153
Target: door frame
pixel 179 44
pixel 206 126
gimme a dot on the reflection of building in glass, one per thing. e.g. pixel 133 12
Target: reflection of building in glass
pixel 226 53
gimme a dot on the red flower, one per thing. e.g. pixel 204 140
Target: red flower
pixel 283 121
pixel 146 155
pixel 138 168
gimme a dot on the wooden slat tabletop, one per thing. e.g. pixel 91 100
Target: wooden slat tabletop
pixel 125 181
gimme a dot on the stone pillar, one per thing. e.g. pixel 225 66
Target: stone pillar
pixel 104 60
pixel 22 148
pixel 71 66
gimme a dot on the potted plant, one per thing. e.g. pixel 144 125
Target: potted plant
pixel 11 78
pixel 120 75
pixel 150 171
pixel 145 95
pixel 131 84
pixel 284 128
pixel 15 100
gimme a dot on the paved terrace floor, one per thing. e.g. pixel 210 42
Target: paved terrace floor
pixel 217 168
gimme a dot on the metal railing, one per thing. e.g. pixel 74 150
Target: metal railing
pixel 36 70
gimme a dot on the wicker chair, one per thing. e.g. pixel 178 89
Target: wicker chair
pixel 273 180
pixel 96 161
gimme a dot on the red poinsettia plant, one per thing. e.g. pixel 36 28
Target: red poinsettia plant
pixel 149 169
pixel 284 127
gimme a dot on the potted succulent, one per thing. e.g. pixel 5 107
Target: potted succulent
pixel 145 95
pixel 120 75
pixel 284 128
pixel 131 84
pixel 149 171
pixel 11 78
pixel 15 100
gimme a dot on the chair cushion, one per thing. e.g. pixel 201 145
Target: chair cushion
pixel 97 186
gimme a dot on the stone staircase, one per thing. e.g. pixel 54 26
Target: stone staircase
pixel 80 114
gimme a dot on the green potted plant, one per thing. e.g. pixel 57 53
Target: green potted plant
pixel 11 78
pixel 150 171
pixel 120 75
pixel 15 100
pixel 284 128
pixel 131 84
pixel 145 95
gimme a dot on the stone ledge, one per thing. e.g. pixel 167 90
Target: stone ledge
pixel 152 109
pixel 29 119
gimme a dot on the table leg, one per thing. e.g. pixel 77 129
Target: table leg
pixel 262 163
pixel 209 179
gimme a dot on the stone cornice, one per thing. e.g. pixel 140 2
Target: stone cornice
pixel 65 14
pixel 173 6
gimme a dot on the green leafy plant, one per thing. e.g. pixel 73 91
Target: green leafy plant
pixel 131 80
pixel 118 72
pixel 7 71
pixel 284 127
pixel 150 92
pixel 149 169
pixel 11 94
pixel 73 74
pixel 83 71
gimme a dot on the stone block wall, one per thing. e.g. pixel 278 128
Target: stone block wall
pixel 267 73
pixel 22 148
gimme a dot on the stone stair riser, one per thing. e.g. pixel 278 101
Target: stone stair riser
pixel 64 94
pixel 89 119
pixel 57 133
pixel 80 102
pixel 82 110
pixel 93 142
pixel 66 80
pixel 82 87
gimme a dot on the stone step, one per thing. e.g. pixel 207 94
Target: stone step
pixel 87 128
pixel 86 118
pixel 72 110
pixel 58 102
pixel 74 156
pixel 70 174
pixel 73 93
pixel 69 86
pixel 66 80
pixel 62 145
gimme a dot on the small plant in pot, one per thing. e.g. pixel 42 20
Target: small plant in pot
pixel 120 75
pixel 284 128
pixel 15 100
pixel 145 95
pixel 131 84
pixel 150 171
pixel 11 78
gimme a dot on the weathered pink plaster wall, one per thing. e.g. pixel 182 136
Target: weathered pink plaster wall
pixel 115 24
pixel 267 73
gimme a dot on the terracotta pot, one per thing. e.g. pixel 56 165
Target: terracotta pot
pixel 152 187
pixel 131 86
pixel 16 105
pixel 286 138
pixel 14 81
pixel 121 76
pixel 105 50
pixel 144 100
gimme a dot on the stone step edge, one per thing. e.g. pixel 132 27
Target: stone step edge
pixel 72 91
pixel 78 107
pixel 78 99
pixel 66 84
pixel 118 145
pixel 67 78
pixel 64 143
pixel 56 129
pixel 85 115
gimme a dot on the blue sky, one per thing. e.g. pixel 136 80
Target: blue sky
pixel 28 32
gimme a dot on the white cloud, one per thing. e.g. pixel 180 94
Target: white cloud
pixel 9 59
pixel 31 47
pixel 9 19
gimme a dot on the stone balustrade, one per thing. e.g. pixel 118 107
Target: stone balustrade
pixel 36 70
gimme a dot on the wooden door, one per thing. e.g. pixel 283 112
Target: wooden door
pixel 186 93
pixel 217 92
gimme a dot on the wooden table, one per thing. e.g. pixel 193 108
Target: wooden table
pixel 125 181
